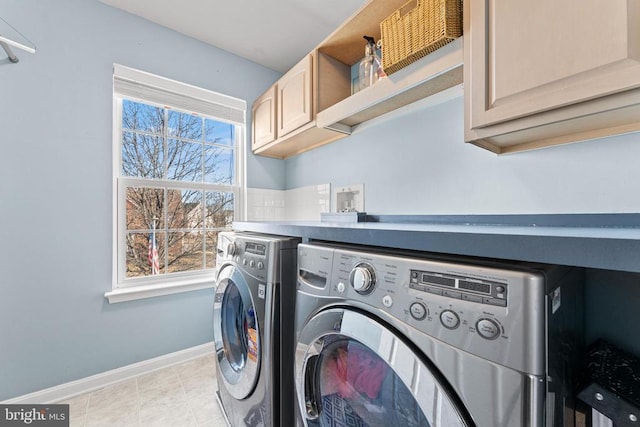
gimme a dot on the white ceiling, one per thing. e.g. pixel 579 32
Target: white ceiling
pixel 274 33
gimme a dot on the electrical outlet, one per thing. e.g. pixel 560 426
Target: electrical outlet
pixel 348 198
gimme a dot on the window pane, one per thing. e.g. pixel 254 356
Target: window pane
pixel 142 117
pixel 158 145
pixel 184 125
pixel 219 133
pixel 218 209
pixel 139 249
pixel 219 165
pixel 184 209
pixel 184 161
pixel 211 246
pixel 185 252
pixel 144 207
pixel 142 155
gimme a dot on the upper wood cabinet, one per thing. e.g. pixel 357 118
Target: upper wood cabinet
pixel 295 107
pixel 546 72
pixel 289 108
pixel 314 102
pixel 283 108
pixel 263 112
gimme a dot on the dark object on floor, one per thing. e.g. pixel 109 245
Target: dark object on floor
pixel 611 383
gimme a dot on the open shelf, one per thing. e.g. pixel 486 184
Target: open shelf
pixel 346 43
pixel 426 77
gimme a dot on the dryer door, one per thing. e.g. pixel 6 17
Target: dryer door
pixel 236 334
pixel 352 370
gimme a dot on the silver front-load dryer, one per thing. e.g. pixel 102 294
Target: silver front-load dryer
pixel 386 339
pixel 255 289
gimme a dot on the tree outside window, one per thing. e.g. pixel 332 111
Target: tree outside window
pixel 179 181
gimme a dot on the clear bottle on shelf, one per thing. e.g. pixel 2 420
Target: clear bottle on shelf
pixel 370 68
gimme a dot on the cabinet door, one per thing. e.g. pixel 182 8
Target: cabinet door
pixel 295 106
pixel 264 119
pixel 526 57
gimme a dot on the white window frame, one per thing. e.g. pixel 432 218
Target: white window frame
pixel 150 89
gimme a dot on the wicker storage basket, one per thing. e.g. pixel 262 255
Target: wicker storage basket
pixel 409 35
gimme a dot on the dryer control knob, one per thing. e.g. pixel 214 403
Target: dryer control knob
pixel 449 319
pixel 362 278
pixel 418 310
pixel 488 329
pixel 231 249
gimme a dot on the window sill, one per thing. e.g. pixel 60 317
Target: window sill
pixel 148 291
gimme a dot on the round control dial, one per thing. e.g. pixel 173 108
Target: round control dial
pixel 488 328
pixel 449 319
pixel 362 278
pixel 418 310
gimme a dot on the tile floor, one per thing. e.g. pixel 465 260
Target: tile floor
pixel 180 395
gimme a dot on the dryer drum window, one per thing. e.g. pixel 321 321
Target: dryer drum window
pixel 356 372
pixel 236 334
pixel 357 387
pixel 236 324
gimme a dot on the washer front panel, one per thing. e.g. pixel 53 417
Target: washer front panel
pixel 497 389
pixel 496 314
pixel 237 335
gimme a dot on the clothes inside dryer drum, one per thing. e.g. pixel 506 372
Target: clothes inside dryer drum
pixel 358 388
pixel 353 369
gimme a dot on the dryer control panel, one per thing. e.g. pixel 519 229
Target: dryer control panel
pixel 494 313
pixel 460 287
pixel 256 255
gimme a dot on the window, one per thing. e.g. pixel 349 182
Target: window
pixel 178 156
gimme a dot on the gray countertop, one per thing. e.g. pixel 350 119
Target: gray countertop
pixel 605 241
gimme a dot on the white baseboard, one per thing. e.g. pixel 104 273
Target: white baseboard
pixel 74 388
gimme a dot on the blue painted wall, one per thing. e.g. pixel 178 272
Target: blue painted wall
pixel 419 164
pixel 56 191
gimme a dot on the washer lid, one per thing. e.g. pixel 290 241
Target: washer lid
pixel 236 333
pixel 352 370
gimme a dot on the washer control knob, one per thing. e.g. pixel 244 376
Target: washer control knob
pixel 449 319
pixel 232 248
pixel 418 310
pixel 260 265
pixel 362 278
pixel 341 287
pixel 488 329
pixel 252 263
